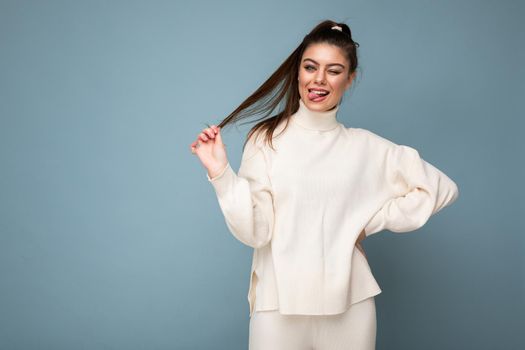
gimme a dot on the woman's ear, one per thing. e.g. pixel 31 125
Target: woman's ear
pixel 350 80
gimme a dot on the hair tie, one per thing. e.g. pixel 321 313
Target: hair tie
pixel 337 28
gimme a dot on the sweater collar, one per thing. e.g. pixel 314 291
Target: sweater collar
pixel 314 120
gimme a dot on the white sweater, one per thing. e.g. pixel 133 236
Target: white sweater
pixel 303 206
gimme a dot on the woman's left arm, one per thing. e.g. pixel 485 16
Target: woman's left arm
pixel 421 190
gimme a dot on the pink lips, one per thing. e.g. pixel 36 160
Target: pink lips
pixel 315 97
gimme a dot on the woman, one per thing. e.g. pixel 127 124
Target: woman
pixel 308 192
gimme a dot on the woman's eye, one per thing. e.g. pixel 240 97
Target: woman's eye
pixel 309 68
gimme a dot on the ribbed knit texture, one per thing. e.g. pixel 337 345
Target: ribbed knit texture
pixel 303 205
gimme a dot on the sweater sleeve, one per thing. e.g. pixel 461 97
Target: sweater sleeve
pixel 419 191
pixel 246 198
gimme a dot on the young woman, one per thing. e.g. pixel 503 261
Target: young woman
pixel 308 191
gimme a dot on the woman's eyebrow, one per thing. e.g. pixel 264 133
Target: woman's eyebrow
pixel 331 64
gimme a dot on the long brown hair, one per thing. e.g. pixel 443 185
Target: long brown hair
pixel 283 84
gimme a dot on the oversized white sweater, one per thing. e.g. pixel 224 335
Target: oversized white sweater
pixel 303 205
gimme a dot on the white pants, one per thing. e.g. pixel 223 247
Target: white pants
pixel 355 329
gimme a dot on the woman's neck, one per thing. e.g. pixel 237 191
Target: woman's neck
pixel 315 120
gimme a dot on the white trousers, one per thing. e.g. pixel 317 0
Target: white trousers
pixel 355 329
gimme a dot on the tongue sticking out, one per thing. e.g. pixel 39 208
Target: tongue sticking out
pixel 315 97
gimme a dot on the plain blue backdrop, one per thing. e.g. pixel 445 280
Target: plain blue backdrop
pixel 111 236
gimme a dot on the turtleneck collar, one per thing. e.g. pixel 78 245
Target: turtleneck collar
pixel 314 120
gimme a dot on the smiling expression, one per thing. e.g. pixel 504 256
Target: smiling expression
pixel 323 68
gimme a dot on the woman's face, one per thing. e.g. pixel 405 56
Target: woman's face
pixel 323 67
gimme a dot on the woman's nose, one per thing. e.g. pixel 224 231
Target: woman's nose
pixel 319 78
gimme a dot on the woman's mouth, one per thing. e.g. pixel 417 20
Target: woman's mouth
pixel 317 95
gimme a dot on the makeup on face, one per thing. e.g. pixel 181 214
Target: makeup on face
pixel 322 76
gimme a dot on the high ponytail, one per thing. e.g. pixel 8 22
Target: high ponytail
pixel 282 85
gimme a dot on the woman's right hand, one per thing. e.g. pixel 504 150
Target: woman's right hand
pixel 210 150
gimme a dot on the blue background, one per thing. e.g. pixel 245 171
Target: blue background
pixel 112 238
